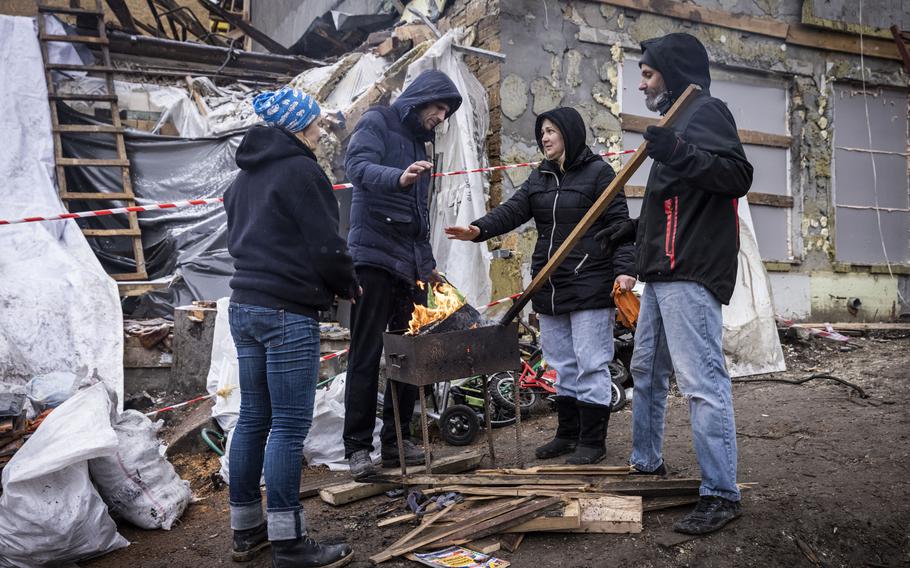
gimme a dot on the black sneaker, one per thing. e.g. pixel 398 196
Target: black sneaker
pixel 661 470
pixel 710 514
pixel 307 553
pixel 250 542
pixel 413 455
pixel 361 465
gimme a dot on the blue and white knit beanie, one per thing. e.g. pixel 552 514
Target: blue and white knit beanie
pixel 291 109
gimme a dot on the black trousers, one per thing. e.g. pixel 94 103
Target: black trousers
pixel 386 303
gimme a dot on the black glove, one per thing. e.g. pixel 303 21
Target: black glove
pixel 662 143
pixel 616 235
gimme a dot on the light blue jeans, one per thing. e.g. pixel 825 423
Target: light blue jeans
pixel 579 345
pixel 278 353
pixel 680 327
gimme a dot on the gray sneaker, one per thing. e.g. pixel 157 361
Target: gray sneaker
pixel 361 465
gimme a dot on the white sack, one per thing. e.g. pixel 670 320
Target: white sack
pixel 50 512
pixel 137 482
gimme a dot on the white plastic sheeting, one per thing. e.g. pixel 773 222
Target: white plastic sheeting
pixel 61 312
pixel 751 343
pixel 50 512
pixel 458 200
pixel 323 445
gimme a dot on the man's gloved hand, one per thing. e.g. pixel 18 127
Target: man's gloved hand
pixel 616 235
pixel 662 143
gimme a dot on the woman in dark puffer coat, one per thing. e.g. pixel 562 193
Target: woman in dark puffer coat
pixel 575 305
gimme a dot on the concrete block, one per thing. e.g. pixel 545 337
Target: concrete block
pixel 194 329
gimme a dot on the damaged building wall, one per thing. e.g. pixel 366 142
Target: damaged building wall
pixel 571 53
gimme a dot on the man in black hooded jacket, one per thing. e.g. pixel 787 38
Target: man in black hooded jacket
pixel 687 243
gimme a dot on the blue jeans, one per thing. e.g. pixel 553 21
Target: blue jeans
pixel 278 353
pixel 680 327
pixel 579 345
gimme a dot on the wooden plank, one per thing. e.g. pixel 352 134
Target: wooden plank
pixel 80 97
pixel 845 43
pixel 693 13
pixel 769 199
pixel 636 123
pixel 138 275
pixel 94 128
pixel 86 68
pixel 661 503
pixel 407 544
pixel 561 519
pixel 354 491
pixel 48 9
pixel 500 523
pixel 485 545
pixel 74 39
pixel 559 469
pixel 859 326
pixel 396 520
pixel 100 196
pixel 511 541
pixel 111 232
pixel 653 488
pixel 92 162
pixel 519 491
pixel 596 210
pixel 481 480
pixel 610 514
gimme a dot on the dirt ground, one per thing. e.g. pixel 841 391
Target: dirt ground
pixel 829 468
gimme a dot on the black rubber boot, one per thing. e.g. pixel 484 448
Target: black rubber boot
pixel 307 553
pixel 250 542
pixel 592 445
pixel 566 430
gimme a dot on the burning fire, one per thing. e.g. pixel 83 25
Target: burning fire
pixel 443 300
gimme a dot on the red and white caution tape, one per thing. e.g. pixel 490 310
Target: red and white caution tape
pixel 214 200
pixel 499 301
pixel 828 333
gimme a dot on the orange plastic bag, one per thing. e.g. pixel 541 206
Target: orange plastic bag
pixel 627 306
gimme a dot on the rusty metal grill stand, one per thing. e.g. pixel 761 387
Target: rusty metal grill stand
pixel 433 358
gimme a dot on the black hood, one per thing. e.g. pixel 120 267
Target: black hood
pixel 572 127
pixel 429 86
pixel 263 144
pixel 681 59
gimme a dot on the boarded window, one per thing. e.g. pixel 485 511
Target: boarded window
pixel 871 187
pixel 759 106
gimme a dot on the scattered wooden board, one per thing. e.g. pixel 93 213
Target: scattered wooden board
pixel 511 541
pixel 561 519
pixel 351 491
pixel 610 514
pixel 500 523
pixel 559 469
pixel 481 480
pixel 485 545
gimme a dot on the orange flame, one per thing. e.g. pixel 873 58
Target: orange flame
pixel 446 299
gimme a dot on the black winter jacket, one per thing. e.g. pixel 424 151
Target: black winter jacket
pixel 282 220
pixel 689 226
pixel 557 201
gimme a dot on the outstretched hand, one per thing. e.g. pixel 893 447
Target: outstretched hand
pixel 412 173
pixel 468 233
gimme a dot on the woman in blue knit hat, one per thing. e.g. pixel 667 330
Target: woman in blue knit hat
pixel 290 263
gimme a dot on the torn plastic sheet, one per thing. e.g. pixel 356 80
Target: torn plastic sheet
pixel 61 312
pixel 189 243
pixel 751 343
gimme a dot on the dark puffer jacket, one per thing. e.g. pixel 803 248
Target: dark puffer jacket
pixel 557 201
pixel 282 225
pixel 689 225
pixel 390 224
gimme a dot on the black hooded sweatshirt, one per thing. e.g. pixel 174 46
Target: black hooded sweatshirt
pixel 689 226
pixel 282 220
pixel 557 200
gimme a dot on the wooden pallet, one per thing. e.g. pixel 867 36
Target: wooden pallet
pixel 116 130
